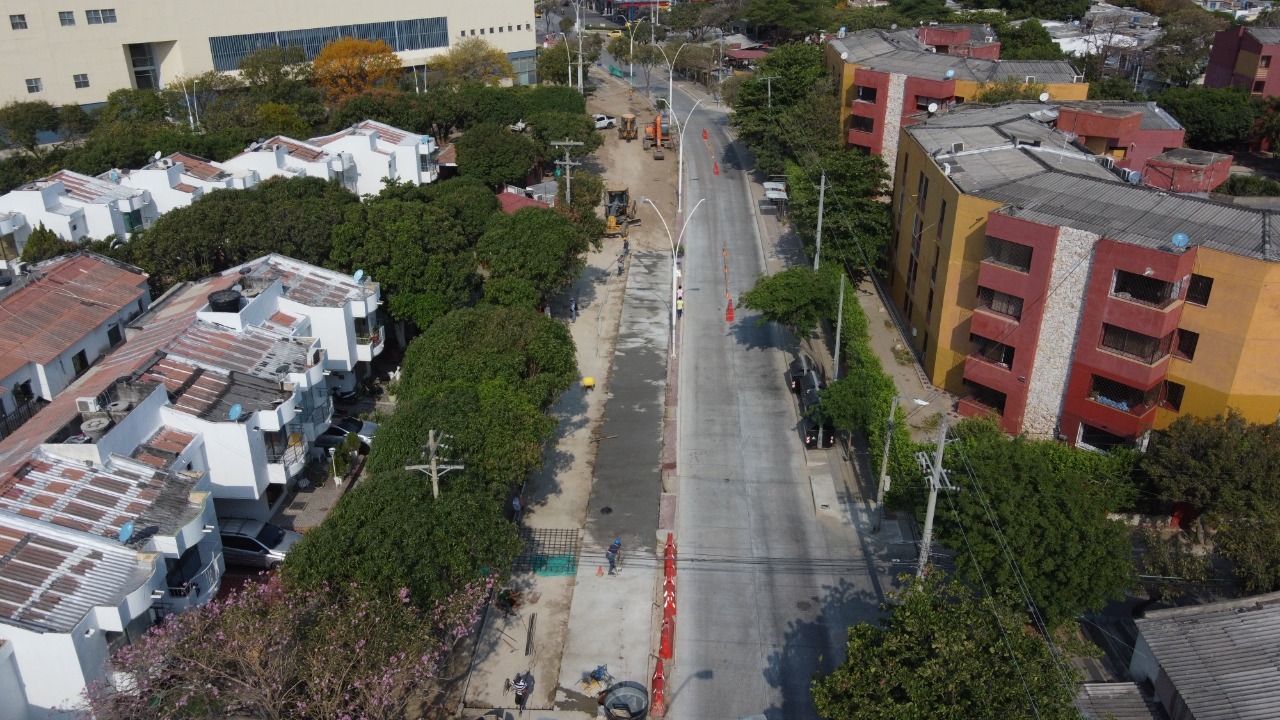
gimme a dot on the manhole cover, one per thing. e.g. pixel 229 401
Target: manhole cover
pixel 804 605
pixel 606 510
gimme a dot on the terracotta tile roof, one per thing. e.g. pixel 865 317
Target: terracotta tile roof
pixel 298 149
pixel 162 448
pixel 84 188
pixel 511 202
pixel 198 167
pixel 65 300
pixel 183 187
pixel 50 578
pixel 448 155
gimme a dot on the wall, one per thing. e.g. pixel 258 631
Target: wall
pixel 181 32
pixel 14 706
pixel 872 142
pixel 1184 178
pixel 49 668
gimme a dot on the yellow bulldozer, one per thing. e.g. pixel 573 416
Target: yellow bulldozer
pixel 619 210
pixel 627 127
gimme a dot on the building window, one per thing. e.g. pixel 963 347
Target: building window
pixel 1264 61
pixel 942 218
pixel 933 274
pixel 902 201
pixel 508 28
pixel 81 81
pixel 132 220
pixel 865 94
pixel 34 85
pixel 916 229
pixel 1259 85
pixel 1015 256
pixel 80 362
pixel 67 18
pixel 462 33
pixel 18 22
pixel 987 397
pixel 490 31
pixel 1186 345
pixel 923 102
pixel 100 17
pixel 1199 289
pixel 146 75
pixel 1121 396
pixel 481 31
pixel 1143 289
pixel 862 124
pixel 1140 347
pixel 114 336
pixel 992 351
pixel 998 302
pixel 1173 394
pixel 473 32
pixel 928 313
pixel 913 267
pixel 402 35
pixel 922 190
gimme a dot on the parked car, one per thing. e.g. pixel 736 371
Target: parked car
pixel 255 543
pixel 363 428
pixel 332 438
pixel 604 122
pixel 799 366
pixel 615 33
pixel 811 433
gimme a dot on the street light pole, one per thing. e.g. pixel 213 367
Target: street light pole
pixel 675 268
pixel 578 16
pixel 680 156
pixel 568 55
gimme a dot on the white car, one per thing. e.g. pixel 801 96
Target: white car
pixel 604 122
pixel 363 428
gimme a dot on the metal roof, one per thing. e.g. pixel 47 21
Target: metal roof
pixel 1223 658
pixel 84 188
pixel 51 578
pixel 1265 35
pixel 1116 701
pixel 62 302
pixel 386 134
pixel 253 351
pixel 902 52
pixel 1154 117
pixel 307 284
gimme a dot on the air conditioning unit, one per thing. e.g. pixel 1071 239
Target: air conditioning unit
pixel 1106 162
pixel 1031 79
pixel 87 405
pixel 957 147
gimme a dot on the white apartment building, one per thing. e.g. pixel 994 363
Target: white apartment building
pixel 75 207
pixel 383 152
pixel 94 556
pixel 70 311
pixel 285 157
pixel 78 53
pixel 181 178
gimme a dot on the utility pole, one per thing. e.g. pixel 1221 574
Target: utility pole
pixel 835 372
pixel 769 82
pixel 883 485
pixel 578 11
pixel 937 479
pixel 822 196
pixel 568 166
pixel 433 467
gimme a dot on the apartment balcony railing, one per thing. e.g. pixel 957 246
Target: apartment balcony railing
pixel 291 455
pixel 19 417
pixel 373 338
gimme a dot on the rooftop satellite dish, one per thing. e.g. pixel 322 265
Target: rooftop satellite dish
pixel 933 108
pixel 236 411
pixel 1044 97
pixel 893 26
pixel 1179 240
pixel 156 156
pixel 126 532
pixel 950 73
pixel 358 276
pixel 844 56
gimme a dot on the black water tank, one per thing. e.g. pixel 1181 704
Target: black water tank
pixel 227 301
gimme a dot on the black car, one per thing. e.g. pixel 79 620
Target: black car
pixel 811 433
pixel 799 368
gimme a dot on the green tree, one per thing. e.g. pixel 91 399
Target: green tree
pixel 545 98
pixel 1213 117
pixel 856 224
pixel 1047 9
pixel 915 11
pixel 278 73
pixel 1114 88
pixel 940 652
pixel 553 65
pixel 798 297
pixel 469 202
pixel 551 126
pixel 493 429
pixel 1010 88
pixel 73 122
pixel 784 19
pixel 541 247
pixel 1027 41
pixel 482 104
pixel 1044 506
pixel 518 345
pixel 797 123
pixel 495 155
pixel 416 251
pixel 133 106
pixel 473 60
pixel 22 122
pixel 1182 50
pixel 44 244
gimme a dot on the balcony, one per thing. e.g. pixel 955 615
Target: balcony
pixel 369 346
pixel 1134 345
pixel 185 591
pixel 982 400
pixel 285 463
pixel 11 222
pixel 19 417
pixel 1125 398
pixel 1006 254
pixel 1142 290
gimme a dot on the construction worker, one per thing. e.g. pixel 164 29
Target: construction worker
pixel 521 686
pixel 680 307
pixel 612 555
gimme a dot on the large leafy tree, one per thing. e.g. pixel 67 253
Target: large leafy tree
pixel 798 297
pixel 523 347
pixel 495 155
pixel 943 653
pixel 798 119
pixel 783 19
pixel 22 122
pixel 1027 41
pixel 494 429
pixel 1182 50
pixel 417 251
pixel 349 67
pixel 471 60
pixel 44 244
pixel 542 249
pixel 280 74
pixel 1035 512
pixel 1213 117
pixel 855 224
pixel 550 126
pixel 554 65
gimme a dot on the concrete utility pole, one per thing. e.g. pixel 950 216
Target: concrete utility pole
pixel 937 479
pixel 835 372
pixel 434 468
pixel 822 196
pixel 769 83
pixel 578 15
pixel 568 168
pixel 883 484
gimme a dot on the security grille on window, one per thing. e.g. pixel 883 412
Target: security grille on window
pixel 82 81
pixel 34 85
pixel 18 22
pixel 1136 345
pixel 999 302
pixel 862 124
pixel 67 18
pixel 1199 289
pixel 1009 254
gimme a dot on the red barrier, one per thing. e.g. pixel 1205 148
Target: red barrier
pixel 657 693
pixel 665 651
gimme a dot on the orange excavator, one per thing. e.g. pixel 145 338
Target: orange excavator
pixel 657 135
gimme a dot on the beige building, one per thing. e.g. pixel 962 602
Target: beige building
pixel 78 52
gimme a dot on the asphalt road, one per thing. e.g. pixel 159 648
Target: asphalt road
pixel 766 588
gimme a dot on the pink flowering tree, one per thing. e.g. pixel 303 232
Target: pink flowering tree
pixel 272 652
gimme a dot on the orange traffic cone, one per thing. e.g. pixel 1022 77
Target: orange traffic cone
pixel 669 601
pixel 717 169
pixel 669 567
pixel 599 571
pixel 665 650
pixel 728 314
pixel 704 133
pixel 657 693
